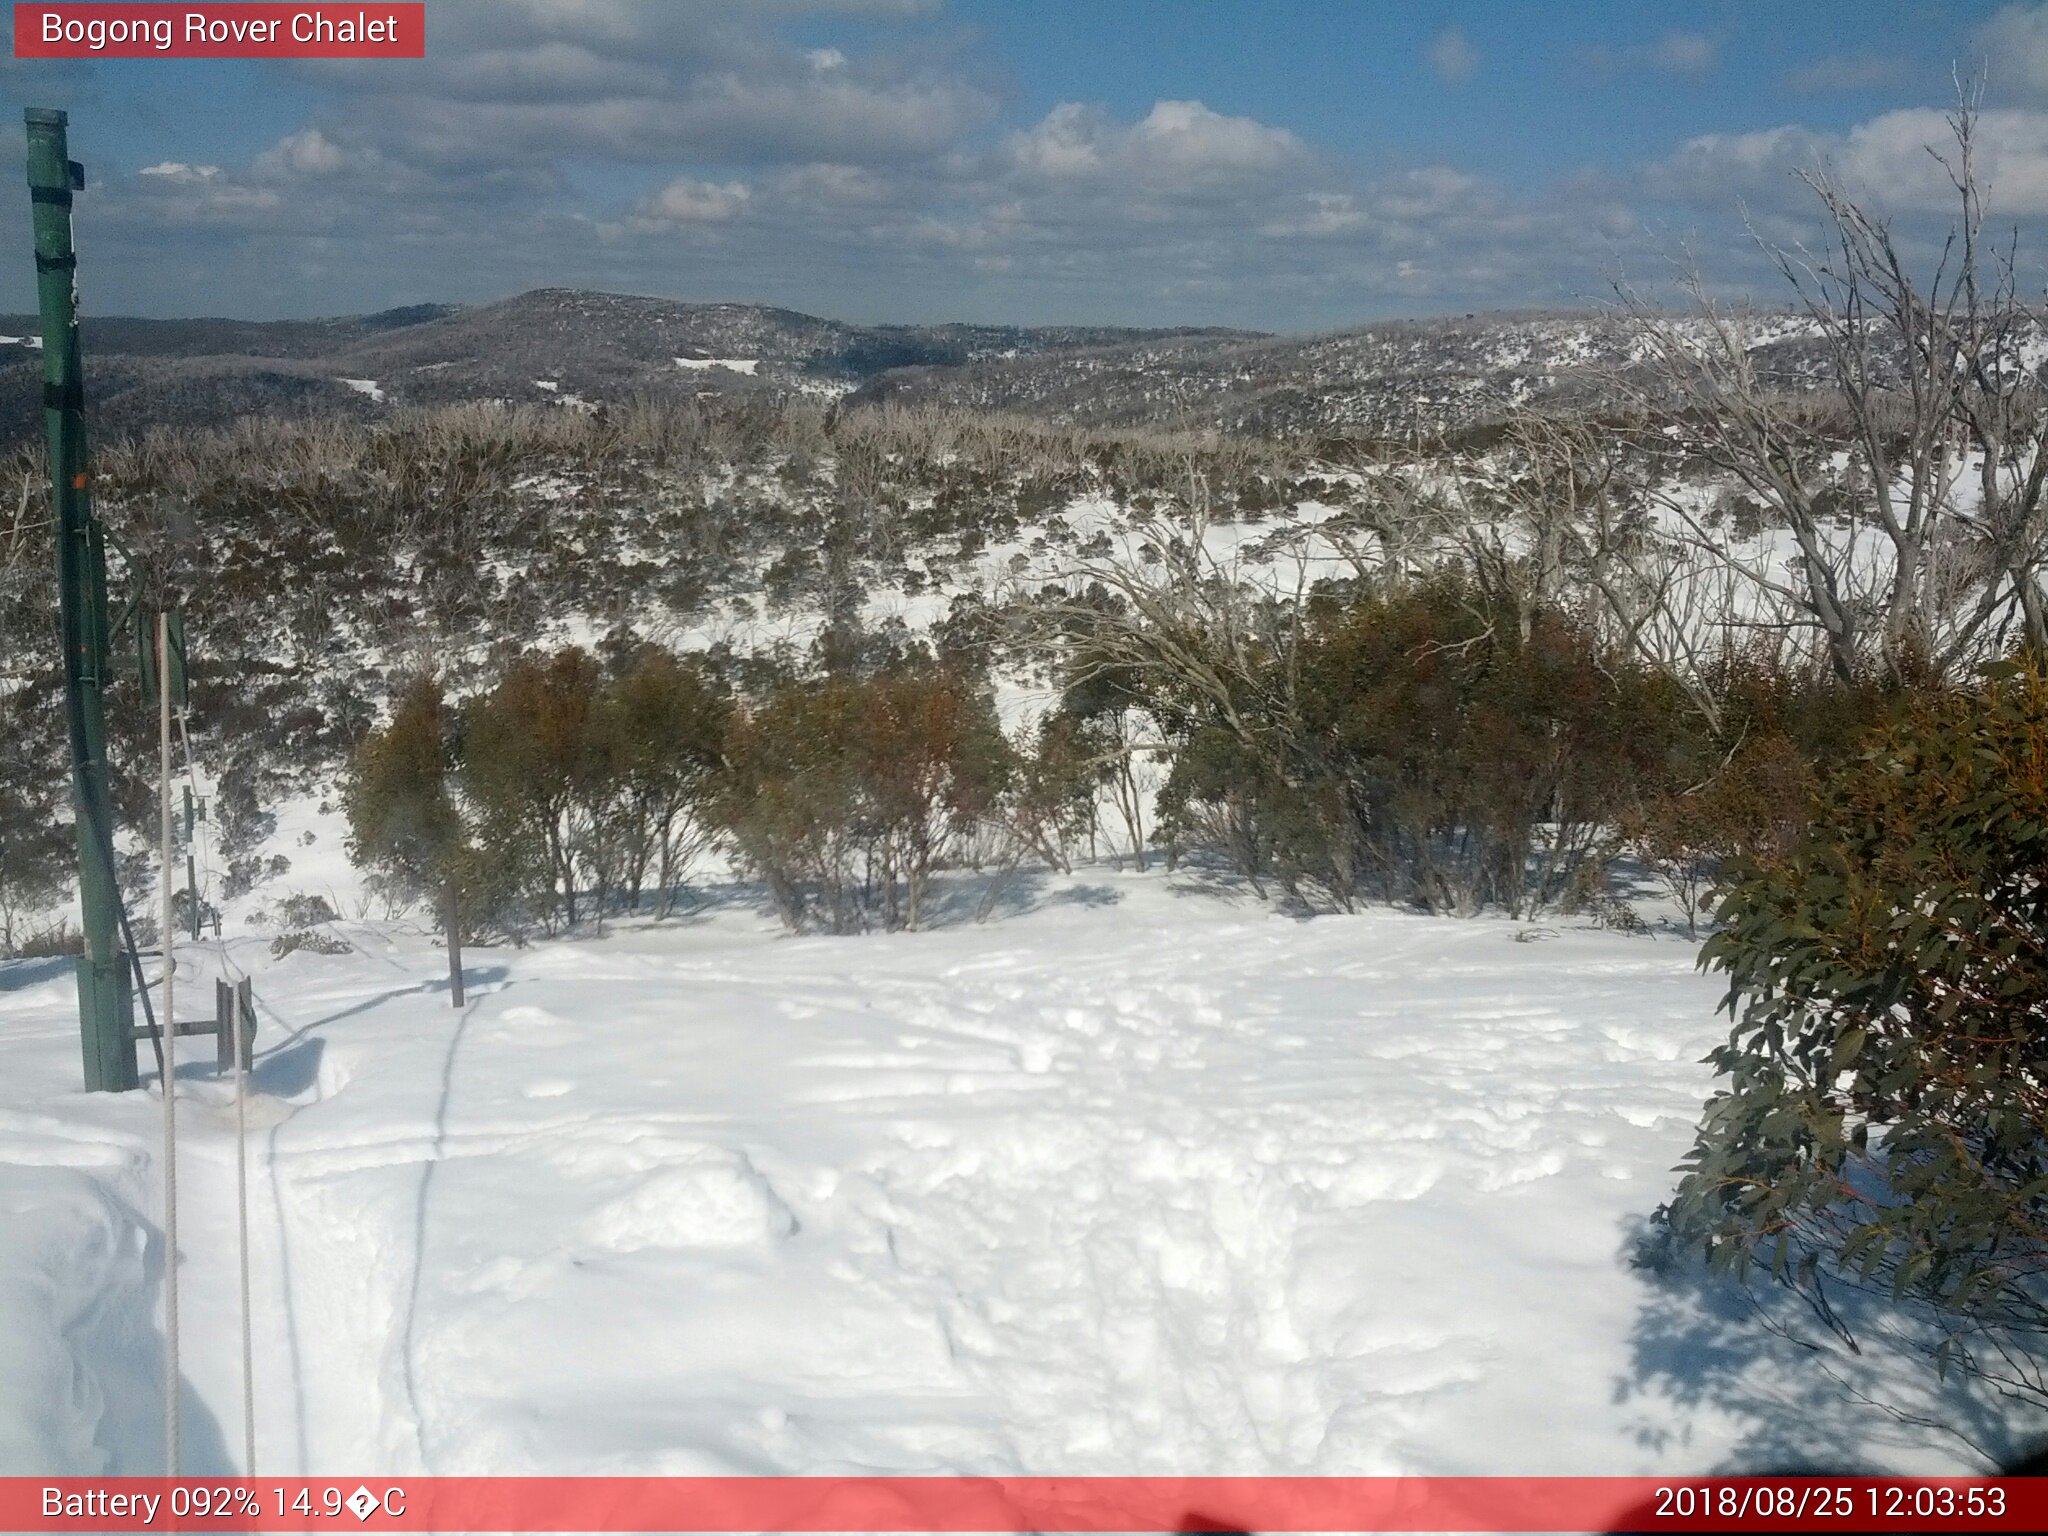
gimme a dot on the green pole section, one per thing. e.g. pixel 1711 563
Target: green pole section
pixel 104 1002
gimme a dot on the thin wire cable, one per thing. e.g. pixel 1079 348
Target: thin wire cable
pixel 242 1242
pixel 170 1039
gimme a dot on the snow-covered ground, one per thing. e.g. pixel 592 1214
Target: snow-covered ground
pixel 1137 1176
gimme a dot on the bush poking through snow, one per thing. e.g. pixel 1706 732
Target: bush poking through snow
pixel 302 918
pixel 1410 744
pixel 315 941
pixel 304 909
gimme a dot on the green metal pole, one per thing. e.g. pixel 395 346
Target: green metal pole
pixel 104 1002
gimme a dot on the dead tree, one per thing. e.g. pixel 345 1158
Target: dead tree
pixel 1894 566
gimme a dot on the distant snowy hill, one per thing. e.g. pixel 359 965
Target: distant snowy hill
pixel 580 349
pixel 1386 380
pixel 592 347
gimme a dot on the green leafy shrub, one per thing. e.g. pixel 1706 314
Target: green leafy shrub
pixel 845 794
pixel 1755 801
pixel 1411 745
pixel 1885 1115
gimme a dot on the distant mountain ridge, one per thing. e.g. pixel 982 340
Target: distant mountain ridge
pixel 1386 380
pixel 576 348
pixel 569 346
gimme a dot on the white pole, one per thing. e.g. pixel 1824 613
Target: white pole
pixel 242 1223
pixel 241 1144
pixel 167 1022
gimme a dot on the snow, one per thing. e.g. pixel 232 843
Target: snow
pixel 1138 1176
pixel 368 387
pixel 828 389
pixel 731 364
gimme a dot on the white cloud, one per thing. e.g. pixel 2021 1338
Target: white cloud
pixel 1675 53
pixel 547 71
pixel 1889 154
pixel 174 195
pixel 308 152
pixel 686 201
pixel 178 172
pixel 1452 56
pixel 1721 158
pixel 1066 143
pixel 522 84
pixel 1684 53
pixel 1177 147
pixel 829 182
pixel 1846 72
pixel 870 161
pixel 1885 160
pixel 2013 49
pixel 1317 215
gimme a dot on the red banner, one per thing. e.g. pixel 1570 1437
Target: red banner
pixel 213 31
pixel 1020 1504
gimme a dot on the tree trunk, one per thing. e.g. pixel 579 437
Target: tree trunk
pixel 665 903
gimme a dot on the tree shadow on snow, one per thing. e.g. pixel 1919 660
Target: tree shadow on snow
pixel 1202 873
pixel 17 975
pixel 408 1331
pixel 1632 879
pixel 956 900
pixel 289 1071
pixel 1704 1346
pixel 695 905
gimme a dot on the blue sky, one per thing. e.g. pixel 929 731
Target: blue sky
pixel 1549 87
pixel 1279 164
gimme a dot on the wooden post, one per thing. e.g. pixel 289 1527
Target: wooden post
pixel 452 906
pixel 245 1017
pixel 225 1017
pixel 234 1014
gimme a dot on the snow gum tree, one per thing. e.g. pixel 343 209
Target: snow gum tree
pixel 403 817
pixel 844 794
pixel 661 729
pixel 532 765
pixel 586 782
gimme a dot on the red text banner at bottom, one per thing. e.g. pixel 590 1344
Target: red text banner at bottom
pixel 1004 1504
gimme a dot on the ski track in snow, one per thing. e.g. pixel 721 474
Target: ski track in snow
pixel 1140 1180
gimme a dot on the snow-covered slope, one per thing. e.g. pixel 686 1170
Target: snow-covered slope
pixel 1137 1177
